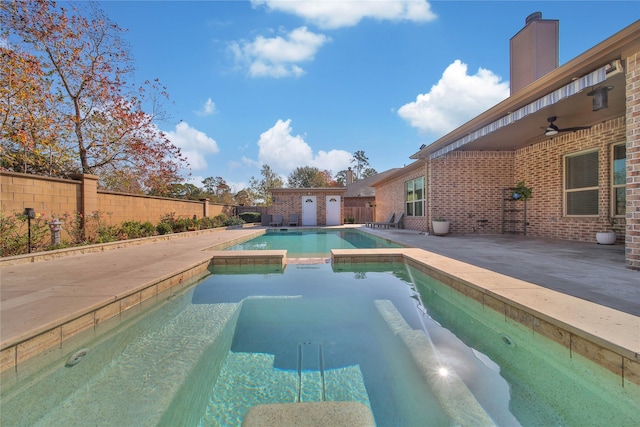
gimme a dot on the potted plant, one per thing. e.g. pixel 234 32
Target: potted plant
pixel 609 236
pixel 440 226
pixel 521 192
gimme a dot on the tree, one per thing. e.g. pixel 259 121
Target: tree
pixel 29 135
pixel 367 172
pixel 218 189
pixel 361 170
pixel 361 162
pixel 306 177
pixel 243 198
pixel 341 178
pixel 261 188
pixel 102 116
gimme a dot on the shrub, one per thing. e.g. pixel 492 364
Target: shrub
pixel 206 223
pixel 164 228
pixel 105 234
pixel 251 217
pixel 234 220
pixel 220 220
pixel 91 228
pixel 14 233
pixel 131 230
pixel 148 229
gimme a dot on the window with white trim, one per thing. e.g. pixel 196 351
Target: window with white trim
pixel 581 184
pixel 414 197
pixel 619 179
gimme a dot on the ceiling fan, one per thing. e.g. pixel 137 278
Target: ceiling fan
pixel 554 130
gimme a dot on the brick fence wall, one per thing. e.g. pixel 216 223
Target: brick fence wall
pixel 54 196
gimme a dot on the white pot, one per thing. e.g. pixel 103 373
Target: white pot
pixel 440 228
pixel 606 237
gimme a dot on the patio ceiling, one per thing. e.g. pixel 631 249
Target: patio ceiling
pixel 571 111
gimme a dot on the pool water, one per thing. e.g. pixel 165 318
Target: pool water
pixel 314 243
pixel 244 336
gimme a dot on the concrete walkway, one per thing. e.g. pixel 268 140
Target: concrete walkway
pixel 36 295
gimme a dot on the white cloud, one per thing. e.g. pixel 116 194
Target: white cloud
pixel 454 100
pixel 208 108
pixel 284 152
pixel 194 144
pixel 337 14
pixel 278 56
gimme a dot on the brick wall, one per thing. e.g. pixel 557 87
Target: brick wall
pixel 541 166
pixel 390 197
pixel 126 207
pixel 44 194
pixel 633 162
pixel 466 189
pixel 289 201
pixel 53 196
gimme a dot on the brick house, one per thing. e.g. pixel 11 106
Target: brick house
pixel 360 197
pixel 570 132
pixel 314 206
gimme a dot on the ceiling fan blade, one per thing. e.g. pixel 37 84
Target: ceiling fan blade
pixel 574 129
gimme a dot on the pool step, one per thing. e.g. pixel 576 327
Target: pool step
pixel 250 379
pixel 147 372
pixel 311 381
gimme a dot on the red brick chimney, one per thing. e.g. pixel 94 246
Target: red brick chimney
pixel 534 51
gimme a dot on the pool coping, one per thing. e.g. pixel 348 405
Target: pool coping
pixel 603 335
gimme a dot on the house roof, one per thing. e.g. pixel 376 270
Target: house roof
pixel 364 187
pixel 399 172
pixel 521 119
pixel 309 190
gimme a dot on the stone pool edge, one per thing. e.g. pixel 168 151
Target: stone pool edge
pixel 607 337
pixel 603 335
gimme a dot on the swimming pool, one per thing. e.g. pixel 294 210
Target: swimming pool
pixel 236 339
pixel 314 243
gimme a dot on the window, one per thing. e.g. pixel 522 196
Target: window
pixel 581 184
pixel 619 179
pixel 414 196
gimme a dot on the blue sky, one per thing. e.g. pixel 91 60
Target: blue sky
pixel 293 83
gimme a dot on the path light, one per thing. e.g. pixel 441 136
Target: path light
pixel 30 213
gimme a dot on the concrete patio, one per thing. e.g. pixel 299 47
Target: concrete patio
pixel 584 270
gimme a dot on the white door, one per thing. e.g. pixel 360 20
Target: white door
pixel 309 212
pixel 333 210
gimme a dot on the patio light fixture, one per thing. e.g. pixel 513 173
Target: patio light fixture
pixel 551 130
pixel 600 97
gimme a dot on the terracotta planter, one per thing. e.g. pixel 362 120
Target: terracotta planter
pixel 440 228
pixel 606 237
